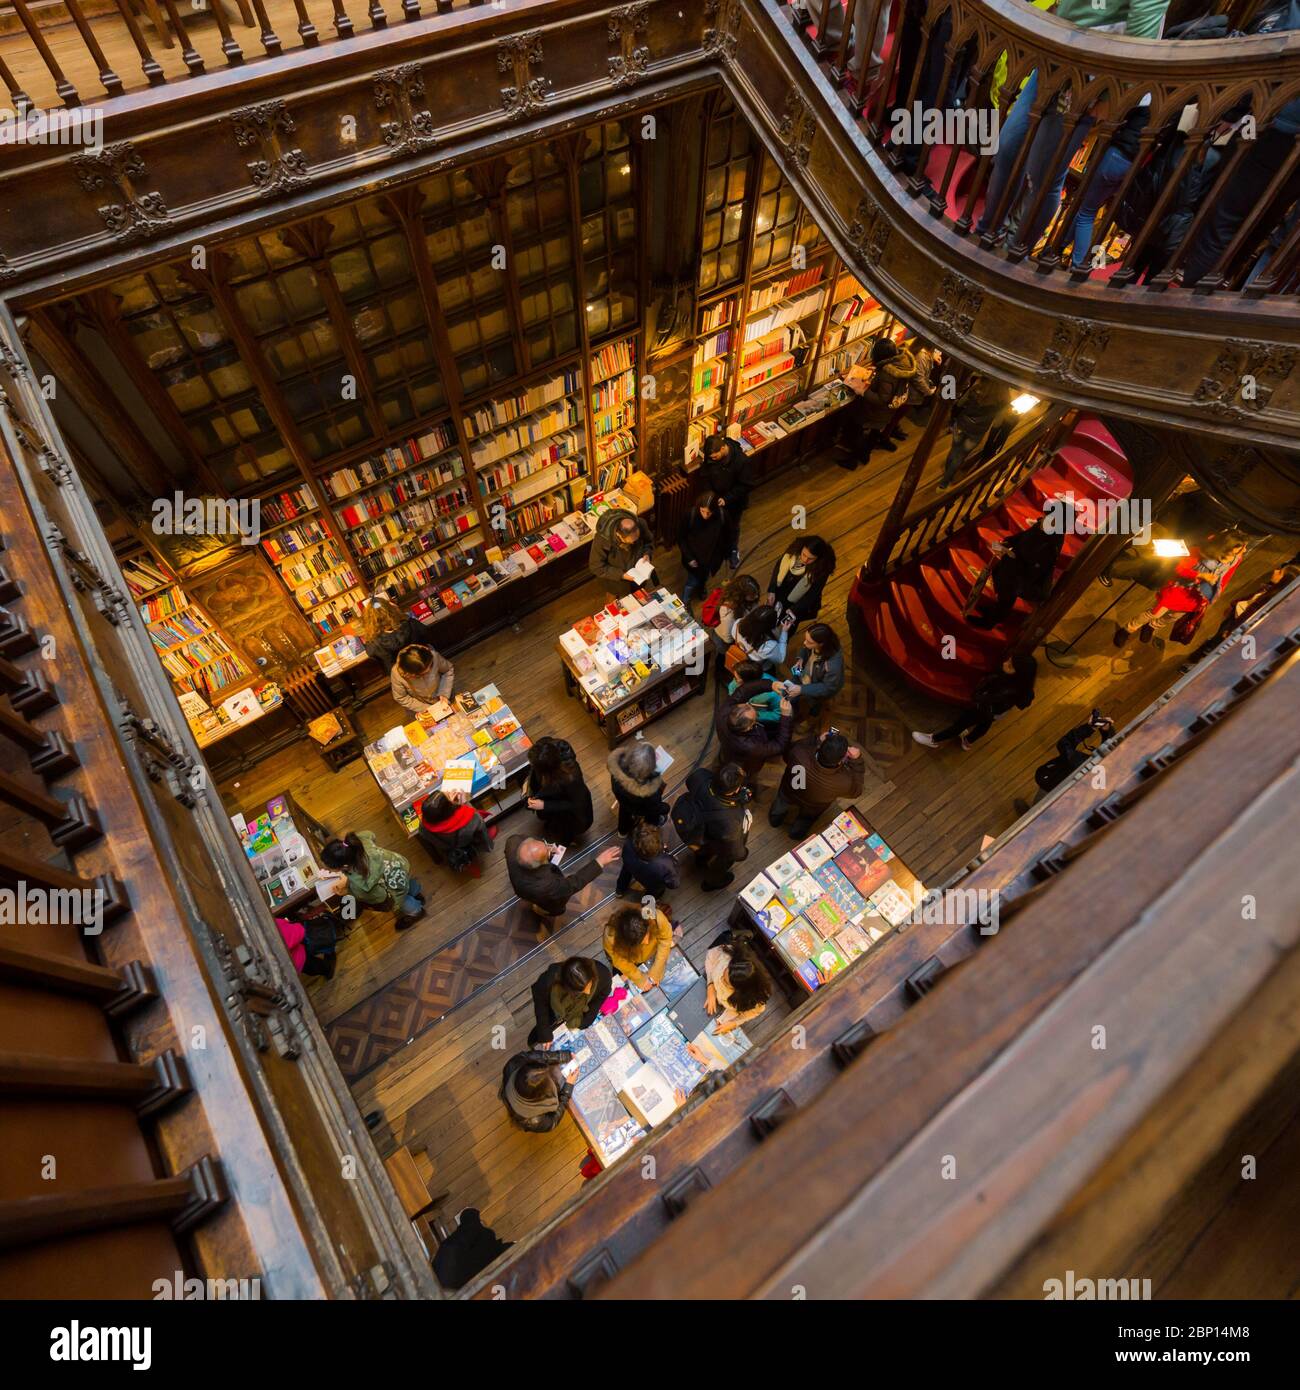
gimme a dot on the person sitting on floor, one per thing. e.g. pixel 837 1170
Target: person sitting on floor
pixel 647 862
pixel 569 993
pixel 453 832
pixel 534 1091
pixel 420 677
pixel 819 771
pixel 632 940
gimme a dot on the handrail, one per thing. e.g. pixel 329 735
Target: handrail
pixel 39 80
pixel 1197 225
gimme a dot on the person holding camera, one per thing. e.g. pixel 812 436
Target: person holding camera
pixel 820 771
pixel 1072 751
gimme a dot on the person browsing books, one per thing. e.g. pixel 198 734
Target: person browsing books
pixel 453 831
pixel 647 862
pixel 557 791
pixel 738 986
pixel 819 771
pixel 632 940
pixel 568 994
pixel 621 542
pixel 534 1091
pixel 540 883
pixel 420 677
pixel 376 876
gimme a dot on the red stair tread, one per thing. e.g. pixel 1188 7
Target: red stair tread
pixel 1096 477
pixel 944 595
pixel 1090 428
pixel 947 684
pixel 909 602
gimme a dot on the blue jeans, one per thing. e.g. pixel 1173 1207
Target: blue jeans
pixel 413 903
pixel 1114 165
pixel 695 585
pixel 1010 139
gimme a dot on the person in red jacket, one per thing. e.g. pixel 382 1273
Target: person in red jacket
pixel 1201 576
pixel 453 832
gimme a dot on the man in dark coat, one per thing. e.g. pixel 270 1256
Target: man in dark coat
pixel 726 474
pixel 621 539
pixel 819 771
pixel 543 885
pixel 1024 569
pixel 723 822
pixel 742 738
pixel 471 1247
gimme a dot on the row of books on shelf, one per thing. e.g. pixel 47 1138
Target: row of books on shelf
pixel 614 392
pixel 612 475
pixel 143 576
pixel 397 458
pixel 493 415
pixel 397 552
pixel 175 629
pixel 610 421
pixel 773 344
pixel 537 482
pixel 284 506
pixel 785 287
pixel 292 540
pixel 532 429
pixel 389 497
pixel 765 398
pixel 215 675
pixel 710 373
pixel 615 446
pixel 336 613
pixel 790 311
pixel 310 566
pixel 612 358
pixel 327 586
pixel 539 511
pixel 852 307
pixel 715 315
pixel 795 416
pixel 163 603
pixel 556 449
pixel 425 518
pixel 715 345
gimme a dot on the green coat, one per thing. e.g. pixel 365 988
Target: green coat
pixel 387 877
pixel 1142 18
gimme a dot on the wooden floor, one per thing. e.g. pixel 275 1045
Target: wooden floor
pixel 438 1094
pixel 73 58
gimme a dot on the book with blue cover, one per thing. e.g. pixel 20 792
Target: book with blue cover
pixel 679 975
pixel 660 1030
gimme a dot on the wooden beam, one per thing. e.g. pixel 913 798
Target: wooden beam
pixel 147 1086
pixel 66 975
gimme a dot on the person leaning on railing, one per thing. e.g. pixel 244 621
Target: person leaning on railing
pixel 1143 19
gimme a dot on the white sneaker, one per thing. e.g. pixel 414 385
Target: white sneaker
pixel 927 739
pixel 966 743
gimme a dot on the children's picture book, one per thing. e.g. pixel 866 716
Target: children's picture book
pixel 848 824
pixel 840 890
pixel 798 942
pixel 758 893
pixel 881 848
pixel 852 941
pixel 784 871
pixel 826 916
pixel 799 892
pixel 772 918
pixel 835 838
pixel 261 836
pixel 891 902
pixel 813 853
pixel 458 776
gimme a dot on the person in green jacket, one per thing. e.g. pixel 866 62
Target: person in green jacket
pixel 376 876
pixel 1142 19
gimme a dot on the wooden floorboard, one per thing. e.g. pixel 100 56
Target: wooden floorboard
pixel 438 1094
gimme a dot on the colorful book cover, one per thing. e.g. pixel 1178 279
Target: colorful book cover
pixel 648 1096
pixel 848 824
pixel 881 848
pixel 758 893
pixel 891 902
pixel 773 918
pixel 261 835
pixel 784 871
pixel 813 853
pixel 852 941
pixel 606 1119
pixel 719 1050
pixel 835 838
pixel 799 892
pixel 862 867
pixel 826 916
pixel 840 890
pixel 458 776
pixel 679 975
pixel 798 942
pixel 661 1031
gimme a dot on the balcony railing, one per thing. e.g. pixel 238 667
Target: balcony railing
pixel 1168 161
pixel 73 53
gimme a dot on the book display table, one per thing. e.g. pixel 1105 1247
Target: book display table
pixel 634 660
pixel 472 743
pixel 817 909
pixel 283 845
pixel 629 1067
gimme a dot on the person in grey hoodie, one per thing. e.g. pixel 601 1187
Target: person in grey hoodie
pixel 419 677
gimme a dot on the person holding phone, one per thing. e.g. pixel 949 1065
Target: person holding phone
pixel 819 771
pixel 817 672
pixel 799 579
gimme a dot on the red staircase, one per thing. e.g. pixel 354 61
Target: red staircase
pixel 911 612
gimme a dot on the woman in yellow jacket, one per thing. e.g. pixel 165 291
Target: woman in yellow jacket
pixel 632 941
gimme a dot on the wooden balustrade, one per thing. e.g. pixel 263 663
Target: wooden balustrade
pixel 974 62
pixel 69 72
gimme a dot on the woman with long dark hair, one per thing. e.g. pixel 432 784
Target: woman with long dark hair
pixel 738 986
pixel 702 539
pixel 376 876
pixel 557 791
pixel 799 577
pixel 453 832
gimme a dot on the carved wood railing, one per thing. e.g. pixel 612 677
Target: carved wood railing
pixel 180 41
pixel 988 48
pixel 300 1199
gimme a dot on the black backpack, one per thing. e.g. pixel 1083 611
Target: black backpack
pixel 688 820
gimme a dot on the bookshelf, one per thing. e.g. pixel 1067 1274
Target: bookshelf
pixel 613 398
pixel 193 651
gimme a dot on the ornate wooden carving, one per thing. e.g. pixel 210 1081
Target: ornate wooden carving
pixel 518 55
pixel 162 761
pixel 259 1001
pixel 720 36
pixel 400 90
pixel 1076 347
pixel 86 578
pixel 797 129
pixel 957 304
pixel 281 166
pixel 869 230
pixel 625 24
pixel 138 215
pixel 1243 378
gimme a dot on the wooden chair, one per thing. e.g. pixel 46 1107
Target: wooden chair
pixel 309 700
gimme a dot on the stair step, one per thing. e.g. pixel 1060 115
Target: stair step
pixel 909 602
pixel 942 679
pixel 1095 476
pixel 945 595
pixel 1091 431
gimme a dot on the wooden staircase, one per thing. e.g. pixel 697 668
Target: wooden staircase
pixel 827 1110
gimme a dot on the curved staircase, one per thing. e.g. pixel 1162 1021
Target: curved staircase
pixel 914 613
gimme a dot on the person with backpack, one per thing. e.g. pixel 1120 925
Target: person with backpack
pixel 713 820
pixel 702 539
pixel 646 862
pixel 534 1091
pixel 1072 751
pixel 1010 687
pixel 311 944
pixel 453 832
